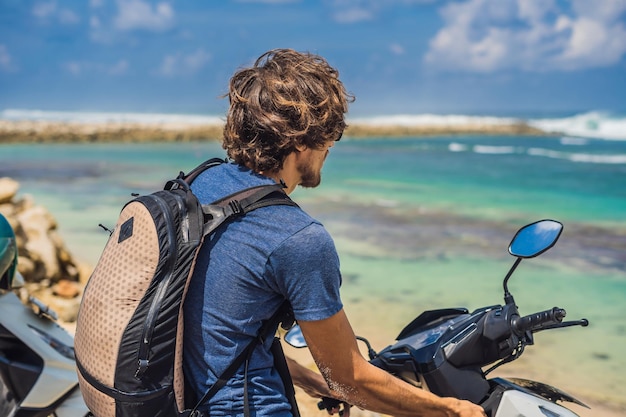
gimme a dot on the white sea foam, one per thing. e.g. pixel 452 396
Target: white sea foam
pixel 598 159
pixel 433 120
pixel 103 117
pixel 579 157
pixel 568 140
pixel 457 147
pixel 494 149
pixel 599 125
pixel 549 153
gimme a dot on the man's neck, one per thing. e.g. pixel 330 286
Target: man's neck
pixel 288 174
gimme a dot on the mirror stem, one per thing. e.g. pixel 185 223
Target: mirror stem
pixel 508 297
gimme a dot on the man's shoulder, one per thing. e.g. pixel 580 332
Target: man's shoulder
pixel 223 180
pixel 228 178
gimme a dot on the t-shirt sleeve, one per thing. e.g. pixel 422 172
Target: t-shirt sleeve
pixel 306 270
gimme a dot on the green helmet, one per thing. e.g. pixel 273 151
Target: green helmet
pixel 8 254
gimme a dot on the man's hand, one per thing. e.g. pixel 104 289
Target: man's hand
pixel 462 408
pixel 334 406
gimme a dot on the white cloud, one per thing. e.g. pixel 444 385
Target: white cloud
pixel 268 1
pixel 6 61
pixel 73 67
pixel 539 35
pixel 43 10
pixel 138 14
pixel 50 11
pixel 119 68
pixel 605 10
pixel 352 15
pixel 68 17
pixel 78 68
pixel 397 49
pixel 353 11
pixel 181 64
pixel 94 22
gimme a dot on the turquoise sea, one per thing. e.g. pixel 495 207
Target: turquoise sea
pixel 420 223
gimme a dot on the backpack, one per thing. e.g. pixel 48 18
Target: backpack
pixel 128 340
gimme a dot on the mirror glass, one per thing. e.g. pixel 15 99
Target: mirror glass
pixel 295 338
pixel 535 238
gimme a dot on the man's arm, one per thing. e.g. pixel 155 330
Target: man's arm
pixel 354 380
pixel 311 382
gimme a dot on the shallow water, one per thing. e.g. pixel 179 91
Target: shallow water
pixel 419 224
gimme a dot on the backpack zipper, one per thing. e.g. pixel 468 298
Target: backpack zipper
pixel 148 328
pixel 184 224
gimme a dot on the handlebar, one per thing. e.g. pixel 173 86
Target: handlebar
pixel 329 404
pixel 536 321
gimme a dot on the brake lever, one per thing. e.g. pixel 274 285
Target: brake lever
pixel 581 322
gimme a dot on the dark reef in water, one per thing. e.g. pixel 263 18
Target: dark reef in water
pixel 601 356
pixel 44 171
pixel 413 233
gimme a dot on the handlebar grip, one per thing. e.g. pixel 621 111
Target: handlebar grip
pixel 328 404
pixel 536 320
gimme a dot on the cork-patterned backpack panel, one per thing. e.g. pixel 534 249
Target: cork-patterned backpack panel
pixel 129 261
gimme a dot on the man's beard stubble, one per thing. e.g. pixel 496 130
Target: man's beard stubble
pixel 310 177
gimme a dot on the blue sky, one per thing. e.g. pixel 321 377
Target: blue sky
pixel 496 57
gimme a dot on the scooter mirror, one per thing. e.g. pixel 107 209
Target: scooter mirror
pixel 536 238
pixel 295 338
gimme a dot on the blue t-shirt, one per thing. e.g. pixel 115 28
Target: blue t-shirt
pixel 242 276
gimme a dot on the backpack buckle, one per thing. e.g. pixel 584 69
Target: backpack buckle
pixel 142 366
pixel 236 208
pixel 176 184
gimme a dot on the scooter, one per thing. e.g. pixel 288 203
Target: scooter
pixel 37 367
pixel 445 351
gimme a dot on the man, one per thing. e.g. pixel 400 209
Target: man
pixel 286 112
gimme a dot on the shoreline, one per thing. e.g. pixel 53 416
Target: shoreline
pixel 40 131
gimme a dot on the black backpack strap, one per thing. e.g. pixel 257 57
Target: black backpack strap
pixel 280 364
pixel 227 374
pixel 247 197
pixel 183 180
pixel 284 311
pixel 191 176
pixel 243 202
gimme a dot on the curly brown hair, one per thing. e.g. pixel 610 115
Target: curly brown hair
pixel 285 100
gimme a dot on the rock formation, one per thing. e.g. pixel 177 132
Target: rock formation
pixel 39 131
pixel 50 271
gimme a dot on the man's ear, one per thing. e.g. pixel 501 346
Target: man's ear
pixel 301 147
